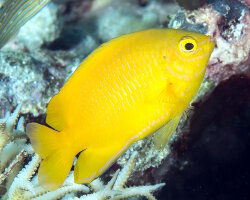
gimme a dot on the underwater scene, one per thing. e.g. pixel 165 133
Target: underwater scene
pixel 125 99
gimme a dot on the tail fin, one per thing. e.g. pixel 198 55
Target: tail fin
pixel 56 153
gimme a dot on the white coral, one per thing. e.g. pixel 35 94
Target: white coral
pixel 12 142
pixel 7 125
pixel 25 186
pixel 115 189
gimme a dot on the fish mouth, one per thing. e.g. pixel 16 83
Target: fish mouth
pixel 211 44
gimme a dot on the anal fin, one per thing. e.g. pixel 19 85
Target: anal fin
pixel 93 162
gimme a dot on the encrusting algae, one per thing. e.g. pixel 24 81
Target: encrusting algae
pixel 125 90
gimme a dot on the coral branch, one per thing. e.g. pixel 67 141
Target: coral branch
pixel 9 169
pixel 25 185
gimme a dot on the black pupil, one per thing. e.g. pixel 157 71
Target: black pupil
pixel 189 46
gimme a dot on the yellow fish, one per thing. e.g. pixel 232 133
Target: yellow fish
pixel 125 90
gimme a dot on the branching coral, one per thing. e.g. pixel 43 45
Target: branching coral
pixel 7 124
pixel 116 189
pixel 25 186
pixel 8 170
pixel 12 142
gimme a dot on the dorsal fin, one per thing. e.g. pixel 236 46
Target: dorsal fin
pixel 57 112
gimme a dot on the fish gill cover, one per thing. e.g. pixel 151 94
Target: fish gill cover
pixel 14 13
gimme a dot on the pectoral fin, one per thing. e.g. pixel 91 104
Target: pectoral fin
pixel 162 135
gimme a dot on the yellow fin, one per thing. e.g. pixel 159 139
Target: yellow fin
pixel 167 95
pixel 93 162
pixel 162 135
pixel 57 112
pixel 56 154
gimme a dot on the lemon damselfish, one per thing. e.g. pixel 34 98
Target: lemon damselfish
pixel 127 89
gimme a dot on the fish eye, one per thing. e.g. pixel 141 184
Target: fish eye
pixel 187 45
